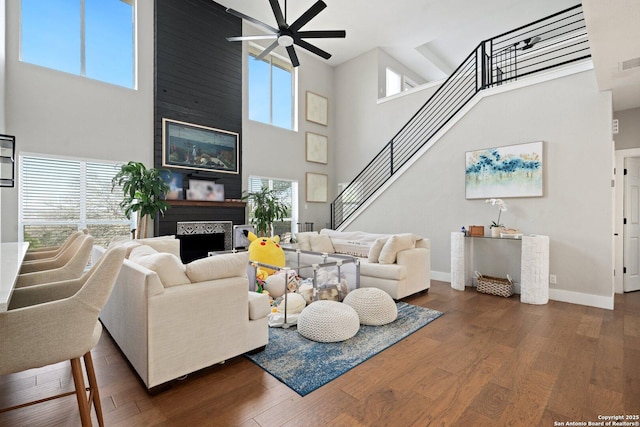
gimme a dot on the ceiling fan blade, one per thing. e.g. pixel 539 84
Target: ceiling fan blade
pixel 260 37
pixel 311 48
pixel 322 34
pixel 252 20
pixel 277 12
pixel 292 55
pixel 308 15
pixel 267 50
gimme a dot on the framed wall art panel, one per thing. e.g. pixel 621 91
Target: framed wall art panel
pixel 317 107
pixel 508 171
pixel 316 148
pixel 190 146
pixel 316 188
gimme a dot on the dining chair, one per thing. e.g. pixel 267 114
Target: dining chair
pixel 52 251
pixel 46 330
pixel 70 264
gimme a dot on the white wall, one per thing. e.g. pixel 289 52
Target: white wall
pixel 62 114
pixel 362 129
pixel 573 119
pixel 274 152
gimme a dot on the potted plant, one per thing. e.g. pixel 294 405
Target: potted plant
pixel 144 191
pixel 496 227
pixel 266 207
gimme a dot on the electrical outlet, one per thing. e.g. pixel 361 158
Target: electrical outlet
pixel 553 279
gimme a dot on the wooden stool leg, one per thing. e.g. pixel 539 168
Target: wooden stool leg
pixel 81 392
pixel 93 386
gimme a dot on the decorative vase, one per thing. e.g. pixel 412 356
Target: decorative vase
pixel 495 231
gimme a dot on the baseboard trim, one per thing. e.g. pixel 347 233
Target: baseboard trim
pixel 441 276
pixel 579 298
pixel 597 301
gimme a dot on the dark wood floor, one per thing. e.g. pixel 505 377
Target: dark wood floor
pixel 488 361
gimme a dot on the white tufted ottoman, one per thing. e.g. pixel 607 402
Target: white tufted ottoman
pixel 374 306
pixel 328 321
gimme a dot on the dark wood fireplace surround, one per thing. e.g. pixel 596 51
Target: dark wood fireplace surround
pixel 198 80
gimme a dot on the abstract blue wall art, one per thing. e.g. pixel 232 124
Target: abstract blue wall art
pixel 509 171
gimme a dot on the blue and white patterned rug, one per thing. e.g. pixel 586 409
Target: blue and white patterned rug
pixel 305 365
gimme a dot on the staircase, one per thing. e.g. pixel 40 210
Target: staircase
pixel 546 44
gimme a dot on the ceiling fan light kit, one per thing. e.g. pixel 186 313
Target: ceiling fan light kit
pixel 287 35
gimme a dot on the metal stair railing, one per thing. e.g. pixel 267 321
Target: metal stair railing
pixel 548 43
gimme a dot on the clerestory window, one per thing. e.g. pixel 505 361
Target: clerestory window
pixel 271 90
pixel 89 38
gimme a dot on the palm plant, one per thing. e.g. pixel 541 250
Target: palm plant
pixel 143 190
pixel 266 207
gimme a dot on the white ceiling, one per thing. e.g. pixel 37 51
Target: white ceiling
pixel 432 37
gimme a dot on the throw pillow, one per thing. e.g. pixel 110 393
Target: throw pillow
pixel 376 248
pixel 168 267
pixel 395 244
pixel 129 245
pixel 218 267
pixel 141 251
pixel 168 244
pixel 304 240
pixel 321 243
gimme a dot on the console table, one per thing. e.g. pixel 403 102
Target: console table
pixel 534 265
pixel 11 256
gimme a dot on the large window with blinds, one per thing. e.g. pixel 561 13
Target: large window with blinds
pixel 288 192
pixel 60 195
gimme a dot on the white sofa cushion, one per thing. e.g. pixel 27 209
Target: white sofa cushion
pixel 382 271
pixel 129 245
pixel 376 248
pixel 167 244
pixel 167 266
pixel 141 251
pixel 395 244
pixel 321 243
pixel 259 306
pixel 218 267
pixel 304 240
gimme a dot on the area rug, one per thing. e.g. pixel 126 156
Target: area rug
pixel 305 365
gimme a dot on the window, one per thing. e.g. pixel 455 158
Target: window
pixel 79 197
pixel 288 191
pixel 90 38
pixel 394 82
pixel 271 90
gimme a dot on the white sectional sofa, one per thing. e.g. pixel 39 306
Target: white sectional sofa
pixel 399 264
pixel 170 319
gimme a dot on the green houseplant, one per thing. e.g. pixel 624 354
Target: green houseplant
pixel 143 190
pixel 266 208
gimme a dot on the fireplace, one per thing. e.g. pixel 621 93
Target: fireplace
pixel 198 238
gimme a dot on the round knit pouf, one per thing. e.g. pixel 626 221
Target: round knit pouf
pixel 374 306
pixel 328 321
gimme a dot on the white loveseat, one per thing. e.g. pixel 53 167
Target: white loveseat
pixel 167 329
pixel 399 264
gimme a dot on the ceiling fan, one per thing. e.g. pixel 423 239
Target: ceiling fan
pixel 287 35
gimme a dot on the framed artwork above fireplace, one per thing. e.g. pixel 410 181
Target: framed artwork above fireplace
pixel 190 146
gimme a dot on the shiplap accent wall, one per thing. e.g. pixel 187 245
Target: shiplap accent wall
pixel 198 80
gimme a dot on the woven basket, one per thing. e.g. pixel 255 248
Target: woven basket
pixel 495 285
